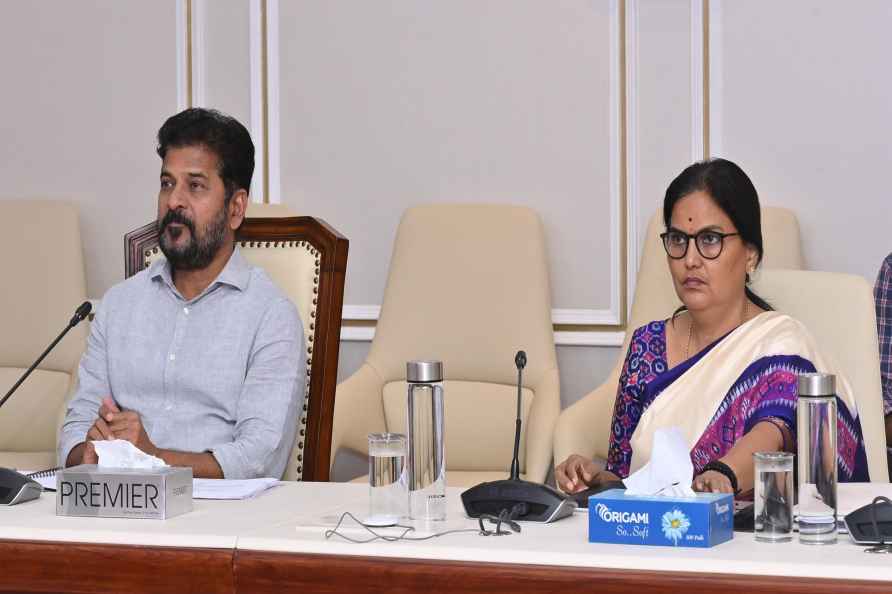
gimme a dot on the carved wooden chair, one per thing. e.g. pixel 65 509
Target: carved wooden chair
pixel 307 259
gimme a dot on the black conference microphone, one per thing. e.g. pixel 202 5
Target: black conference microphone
pixel 15 487
pixel 520 360
pixel 522 500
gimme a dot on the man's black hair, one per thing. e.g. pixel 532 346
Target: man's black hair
pixel 219 133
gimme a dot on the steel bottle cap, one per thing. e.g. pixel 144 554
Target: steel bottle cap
pixel 817 384
pixel 424 371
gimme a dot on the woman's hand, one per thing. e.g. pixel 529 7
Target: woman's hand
pixel 578 473
pixel 712 482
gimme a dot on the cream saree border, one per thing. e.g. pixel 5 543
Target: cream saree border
pixel 692 400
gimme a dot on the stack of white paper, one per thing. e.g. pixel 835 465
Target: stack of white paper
pixel 230 489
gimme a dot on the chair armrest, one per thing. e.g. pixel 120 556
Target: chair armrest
pixel 544 413
pixel 359 410
pixel 584 427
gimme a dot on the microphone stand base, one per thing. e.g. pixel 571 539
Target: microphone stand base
pixel 17 488
pixel 540 503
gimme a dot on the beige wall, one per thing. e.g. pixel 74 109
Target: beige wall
pixel 85 87
pixel 371 107
pixel 807 110
pixel 393 103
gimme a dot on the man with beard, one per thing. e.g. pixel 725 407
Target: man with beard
pixel 198 359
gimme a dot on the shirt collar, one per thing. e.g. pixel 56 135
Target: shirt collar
pixel 236 273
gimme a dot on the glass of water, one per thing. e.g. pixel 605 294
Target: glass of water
pixel 388 493
pixel 773 496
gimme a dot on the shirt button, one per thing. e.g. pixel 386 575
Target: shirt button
pixel 172 356
pixel 186 310
pixel 168 406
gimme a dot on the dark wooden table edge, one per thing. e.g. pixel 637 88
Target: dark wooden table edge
pixel 81 567
pixel 264 571
pixel 55 566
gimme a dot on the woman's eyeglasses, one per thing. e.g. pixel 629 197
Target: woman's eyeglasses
pixel 709 243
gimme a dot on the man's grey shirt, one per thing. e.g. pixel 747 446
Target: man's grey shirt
pixel 221 373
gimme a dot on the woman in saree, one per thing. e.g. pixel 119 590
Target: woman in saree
pixel 724 367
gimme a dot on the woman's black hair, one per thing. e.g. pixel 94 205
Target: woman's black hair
pixel 734 193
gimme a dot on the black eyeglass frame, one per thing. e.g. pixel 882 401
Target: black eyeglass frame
pixel 665 235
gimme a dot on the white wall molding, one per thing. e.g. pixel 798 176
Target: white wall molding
pixel 258 131
pixel 571 317
pixel 698 96
pixel 182 43
pixel 584 317
pixel 357 333
pixel 633 204
pixel 716 79
pixel 199 53
pixel 273 76
pixel 361 312
pixel 589 339
pixel 615 147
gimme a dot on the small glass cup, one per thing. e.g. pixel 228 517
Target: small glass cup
pixel 773 474
pixel 388 492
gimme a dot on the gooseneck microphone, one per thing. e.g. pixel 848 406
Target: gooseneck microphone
pixel 79 315
pixel 520 360
pixel 16 487
pixel 519 499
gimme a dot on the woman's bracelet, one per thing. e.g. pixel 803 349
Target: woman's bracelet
pixel 722 468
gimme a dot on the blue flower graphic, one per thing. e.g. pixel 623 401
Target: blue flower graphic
pixel 675 524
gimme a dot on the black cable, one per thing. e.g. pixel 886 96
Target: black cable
pixel 873 517
pixel 375 536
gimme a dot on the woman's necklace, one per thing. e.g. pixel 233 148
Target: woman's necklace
pixel 687 348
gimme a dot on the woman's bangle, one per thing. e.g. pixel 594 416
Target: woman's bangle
pixel 722 468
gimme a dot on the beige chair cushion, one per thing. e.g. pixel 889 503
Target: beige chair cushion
pixel 43 261
pixel 838 310
pixel 459 478
pixel 468 285
pixel 28 461
pixel 584 427
pixel 256 210
pixel 44 266
pixel 29 420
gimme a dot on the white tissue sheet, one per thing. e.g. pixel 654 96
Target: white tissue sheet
pixel 669 470
pixel 119 453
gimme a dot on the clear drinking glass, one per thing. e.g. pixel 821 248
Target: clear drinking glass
pixel 388 496
pixel 773 496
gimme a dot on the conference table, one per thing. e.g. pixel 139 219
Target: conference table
pixel 276 542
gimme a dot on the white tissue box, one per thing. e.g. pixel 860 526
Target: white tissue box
pixel 703 520
pixel 156 493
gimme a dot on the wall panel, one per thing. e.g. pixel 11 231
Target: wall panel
pixel 87 84
pixel 803 103
pixel 395 103
pixel 224 56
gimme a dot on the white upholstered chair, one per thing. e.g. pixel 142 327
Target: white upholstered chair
pixel 584 427
pixel 838 310
pixel 43 269
pixel 468 285
pixel 307 259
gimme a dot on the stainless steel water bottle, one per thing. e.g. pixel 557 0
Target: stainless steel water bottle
pixel 426 448
pixel 816 426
